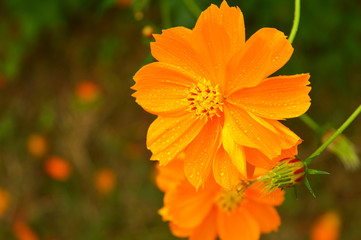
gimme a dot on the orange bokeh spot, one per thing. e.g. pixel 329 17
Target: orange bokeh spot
pixel 87 91
pixel 105 181
pixel 37 145
pixel 23 232
pixel 124 3
pixel 326 227
pixel 57 168
pixel 4 201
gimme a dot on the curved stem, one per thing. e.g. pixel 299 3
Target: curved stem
pixel 192 7
pixel 296 20
pixel 334 135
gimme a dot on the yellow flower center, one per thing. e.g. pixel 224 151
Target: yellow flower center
pixel 205 100
pixel 228 201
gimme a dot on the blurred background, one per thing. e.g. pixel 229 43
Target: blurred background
pixel 73 160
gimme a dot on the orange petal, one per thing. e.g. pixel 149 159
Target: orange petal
pixel 214 41
pixel 257 158
pixel 257 194
pixel 237 225
pixel 263 53
pixel 187 207
pixel 276 98
pixel 167 137
pixel 251 131
pixel 169 176
pixel 173 46
pixel 266 216
pixel 208 228
pixel 200 153
pixel 225 172
pixel 178 231
pixel 163 89
pixel 280 47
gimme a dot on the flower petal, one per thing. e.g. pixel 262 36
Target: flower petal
pixel 167 137
pixel 251 131
pixel 178 231
pixel 187 207
pixel 162 89
pixel 237 225
pixel 266 216
pixel 257 158
pixel 263 53
pixel 217 35
pixel 174 46
pixel 169 176
pixel 225 172
pixel 200 153
pixel 276 98
pixel 257 194
pixel 208 228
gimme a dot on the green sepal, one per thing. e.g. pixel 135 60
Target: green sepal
pixel 307 183
pixel 314 172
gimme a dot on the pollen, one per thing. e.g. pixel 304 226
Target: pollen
pixel 229 201
pixel 205 100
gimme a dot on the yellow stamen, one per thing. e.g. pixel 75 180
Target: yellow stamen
pixel 205 100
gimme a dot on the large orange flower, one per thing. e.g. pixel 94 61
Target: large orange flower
pixel 212 211
pixel 212 94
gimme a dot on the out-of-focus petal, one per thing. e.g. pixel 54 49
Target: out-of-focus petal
pixel 207 230
pixel 237 225
pixel 258 194
pixel 169 176
pixel 266 216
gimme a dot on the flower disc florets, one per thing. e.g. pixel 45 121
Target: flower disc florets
pixel 205 100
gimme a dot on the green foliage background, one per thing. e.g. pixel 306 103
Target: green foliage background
pixel 48 46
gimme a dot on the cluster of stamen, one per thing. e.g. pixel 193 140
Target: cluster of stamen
pixel 229 201
pixel 205 100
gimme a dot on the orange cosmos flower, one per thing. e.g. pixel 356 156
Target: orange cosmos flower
pixel 326 227
pixel 105 181
pixel 241 213
pixel 212 94
pixel 57 168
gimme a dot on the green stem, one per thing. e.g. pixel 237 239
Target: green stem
pixel 165 11
pixel 296 20
pixel 193 7
pixel 334 135
pixel 310 123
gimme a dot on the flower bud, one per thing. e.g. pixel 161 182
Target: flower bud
pixel 287 173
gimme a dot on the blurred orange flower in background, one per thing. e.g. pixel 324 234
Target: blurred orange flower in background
pixel 87 91
pixel 210 87
pixel 104 181
pixel 4 201
pixel 57 168
pixel 23 231
pixel 326 227
pixel 242 213
pixel 37 145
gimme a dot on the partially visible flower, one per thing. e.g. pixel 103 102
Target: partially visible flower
pixel 37 145
pixel 57 168
pixel 242 213
pixel 213 96
pixel 326 227
pixel 287 173
pixel 87 91
pixel 344 149
pixel 23 231
pixel 4 201
pixel 104 181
